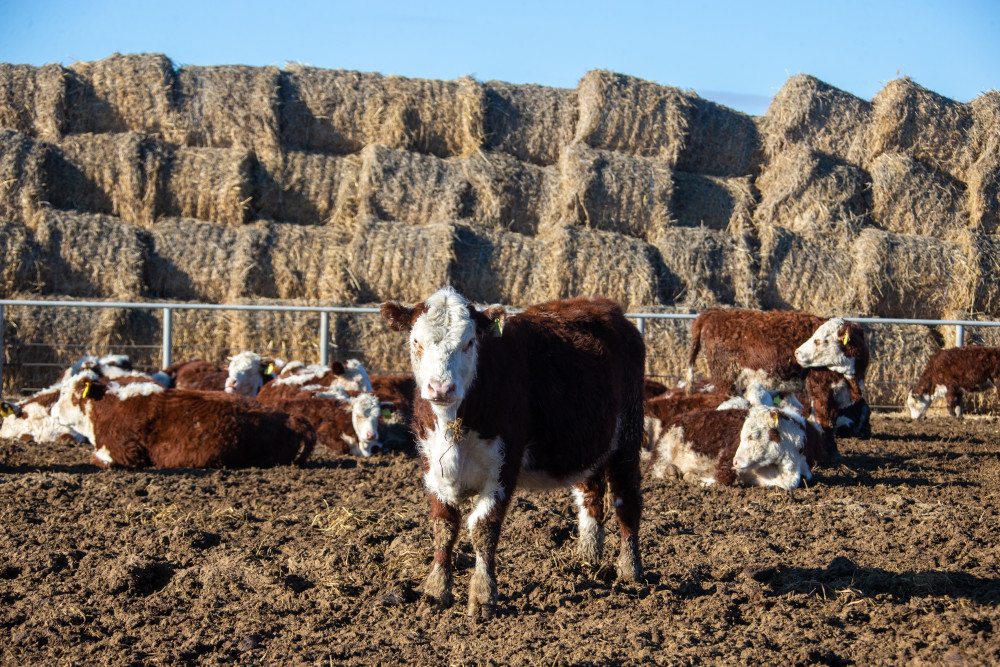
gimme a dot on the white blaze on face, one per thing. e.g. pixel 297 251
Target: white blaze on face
pixel 770 449
pixel 246 374
pixel 365 411
pixel 825 349
pixel 72 409
pixel 444 350
pixel 918 404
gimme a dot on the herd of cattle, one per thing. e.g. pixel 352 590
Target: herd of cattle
pixel 555 395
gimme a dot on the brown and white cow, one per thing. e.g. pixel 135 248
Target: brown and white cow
pixel 950 373
pixel 245 374
pixel 345 422
pixel 137 423
pixel 349 375
pixel 551 396
pixel 661 411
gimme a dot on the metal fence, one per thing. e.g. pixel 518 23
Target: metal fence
pixel 643 321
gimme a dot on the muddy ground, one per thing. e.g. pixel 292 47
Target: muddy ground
pixel 888 557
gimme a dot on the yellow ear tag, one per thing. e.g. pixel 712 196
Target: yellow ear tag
pixel 5 411
pixel 847 338
pixel 86 390
pixel 776 420
pixel 270 369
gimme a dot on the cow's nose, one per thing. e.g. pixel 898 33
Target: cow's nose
pixel 439 391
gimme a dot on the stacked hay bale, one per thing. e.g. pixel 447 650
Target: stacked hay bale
pixel 898 356
pixel 983 156
pixel 529 122
pixel 498 266
pixel 713 202
pixel 807 273
pixel 213 184
pixel 307 263
pixel 121 93
pixel 308 188
pixel 909 198
pixel 719 141
pixel 23 261
pixel 396 260
pixel 23 176
pixel 33 100
pixel 114 173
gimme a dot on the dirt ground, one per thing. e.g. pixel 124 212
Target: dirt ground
pixel 888 557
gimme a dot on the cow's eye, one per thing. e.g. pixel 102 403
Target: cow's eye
pixel 468 346
pixel 417 347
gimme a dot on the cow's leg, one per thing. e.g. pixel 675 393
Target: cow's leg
pixel 484 528
pixel 444 520
pixel 624 480
pixel 589 498
pixel 953 397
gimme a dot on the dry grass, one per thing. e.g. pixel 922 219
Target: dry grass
pixel 909 198
pixel 211 184
pixel 529 122
pixel 308 188
pixel 394 260
pixel 497 266
pixel 33 100
pixel 23 176
pixel 803 273
pixel 706 267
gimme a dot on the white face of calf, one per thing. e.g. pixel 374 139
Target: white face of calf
pixel 771 440
pixel 71 409
pixel 825 348
pixel 365 411
pixel 246 374
pixel 918 404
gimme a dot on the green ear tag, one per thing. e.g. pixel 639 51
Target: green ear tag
pixel 497 327
pixel 386 413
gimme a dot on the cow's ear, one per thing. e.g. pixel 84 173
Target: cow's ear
pixel 338 368
pixel 397 317
pixel 490 321
pixel 9 409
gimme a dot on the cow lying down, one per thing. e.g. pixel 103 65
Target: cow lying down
pixel 134 422
pixel 757 445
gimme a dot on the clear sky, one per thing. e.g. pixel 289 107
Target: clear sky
pixel 736 53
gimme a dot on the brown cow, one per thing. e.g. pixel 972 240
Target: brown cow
pixel 549 396
pixel 952 372
pixel 137 423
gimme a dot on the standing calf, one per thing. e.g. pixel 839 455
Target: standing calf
pixel 551 396
pixel 952 372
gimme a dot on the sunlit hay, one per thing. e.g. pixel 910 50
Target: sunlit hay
pixel 116 173
pixel 706 267
pixel 612 191
pixel 909 198
pixel 90 255
pixel 395 260
pixel 983 156
pixel 33 100
pixel 121 93
pixel 340 520
pixel 228 106
pixel 803 273
pixel 342 111
pixel 308 188
pixel 811 193
pixel 309 263
pixel 623 113
pixel 23 176
pixel 982 252
pixel 202 261
pixel 713 201
pixel 497 266
pixel 910 119
pixel 898 356
pixel 812 112
pixel 423 189
pixel 296 333
pixel 904 275
pixel 668 343
pixel 23 261
pixel 720 141
pixel 584 262
pixel 211 184
pixel 203 334
pixel 530 122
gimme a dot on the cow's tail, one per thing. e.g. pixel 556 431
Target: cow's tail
pixel 693 356
pixel 305 429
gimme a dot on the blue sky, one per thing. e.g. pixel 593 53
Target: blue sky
pixel 736 53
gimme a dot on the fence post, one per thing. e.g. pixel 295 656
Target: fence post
pixel 324 338
pixel 640 324
pixel 959 335
pixel 168 334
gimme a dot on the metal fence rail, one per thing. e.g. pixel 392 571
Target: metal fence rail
pixel 325 312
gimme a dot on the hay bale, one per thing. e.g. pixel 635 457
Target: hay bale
pixel 288 335
pixel 395 260
pixel 530 122
pixel 898 356
pixel 308 263
pixel 423 189
pixel 213 184
pixel 585 262
pixel 622 113
pixel 811 112
pixel 812 193
pixel 982 252
pixel 228 106
pixel 910 119
pixel 90 255
pixel 803 273
pixel 114 173
pixel 904 275
pixel 368 339
pixel 713 201
pixel 121 93
pixel 909 198
pixel 192 260
pixel 33 100
pixel 984 134
pixel 308 188
pixel 983 155
pixel 720 141
pixel 497 266
pixel 668 343
pixel 342 111
pixel 23 175
pixel 706 267
pixel 22 260
pixel 612 191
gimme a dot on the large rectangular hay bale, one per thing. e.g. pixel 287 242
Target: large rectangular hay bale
pixel 803 272
pixel 396 260
pixel 309 188
pixel 121 93
pixel 909 198
pixel 719 141
pixel 33 100
pixel 211 184
pixel 714 202
pixel 706 267
pixel 22 260
pixel 530 122
pixel 24 166
pixel 497 266
pixel 309 263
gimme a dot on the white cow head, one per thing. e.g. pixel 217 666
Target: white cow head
pixel 444 346
pixel 246 374
pixel 826 348
pixel 351 376
pixel 365 412
pixel 918 404
pixel 770 450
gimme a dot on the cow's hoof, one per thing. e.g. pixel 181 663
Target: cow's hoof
pixel 437 589
pixel 481 611
pixel 629 566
